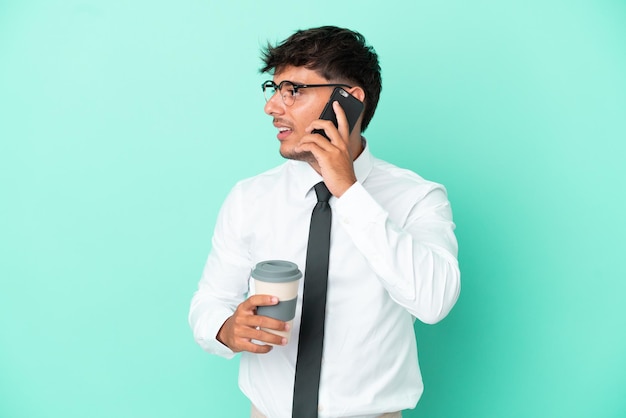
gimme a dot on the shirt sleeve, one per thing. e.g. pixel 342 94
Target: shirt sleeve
pixel 225 278
pixel 415 257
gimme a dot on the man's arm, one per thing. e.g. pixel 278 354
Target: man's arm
pixel 222 319
pixel 416 261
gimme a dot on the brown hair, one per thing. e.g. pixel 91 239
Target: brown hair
pixel 336 54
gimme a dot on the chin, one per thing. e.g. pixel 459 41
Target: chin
pixel 298 156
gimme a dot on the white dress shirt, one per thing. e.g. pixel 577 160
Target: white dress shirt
pixel 392 259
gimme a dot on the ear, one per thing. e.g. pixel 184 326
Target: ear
pixel 357 92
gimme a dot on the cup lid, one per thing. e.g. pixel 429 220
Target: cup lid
pixel 276 271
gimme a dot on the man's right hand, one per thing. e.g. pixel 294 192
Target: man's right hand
pixel 245 325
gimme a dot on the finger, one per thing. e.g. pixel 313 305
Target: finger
pixel 269 338
pixel 260 300
pixel 316 149
pixel 335 137
pixel 260 349
pixel 271 323
pixel 246 314
pixel 248 322
pixel 342 120
pixel 247 345
pixel 314 143
pixel 327 126
pixel 260 335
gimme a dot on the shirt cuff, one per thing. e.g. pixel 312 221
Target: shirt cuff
pixel 357 208
pixel 206 330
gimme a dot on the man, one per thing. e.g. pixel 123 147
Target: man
pixel 392 247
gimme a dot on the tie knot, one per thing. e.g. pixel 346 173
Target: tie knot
pixel 323 195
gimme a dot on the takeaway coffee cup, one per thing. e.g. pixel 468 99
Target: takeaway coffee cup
pixel 278 278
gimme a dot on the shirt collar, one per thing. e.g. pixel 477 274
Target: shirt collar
pixel 305 177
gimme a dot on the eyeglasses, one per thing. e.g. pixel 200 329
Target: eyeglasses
pixel 289 90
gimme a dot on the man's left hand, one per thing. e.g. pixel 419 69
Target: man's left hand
pixel 333 157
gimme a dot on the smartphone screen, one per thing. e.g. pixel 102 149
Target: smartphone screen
pixel 350 105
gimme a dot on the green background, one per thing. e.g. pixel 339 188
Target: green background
pixel 123 124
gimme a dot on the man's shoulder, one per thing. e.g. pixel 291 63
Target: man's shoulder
pixel 262 182
pixel 386 172
pixel 399 189
pixel 267 175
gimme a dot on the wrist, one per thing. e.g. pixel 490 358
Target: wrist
pixel 343 188
pixel 221 334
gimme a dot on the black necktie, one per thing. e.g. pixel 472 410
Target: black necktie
pixel 308 365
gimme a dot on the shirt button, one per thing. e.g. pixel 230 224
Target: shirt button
pixel 320 408
pixel 346 220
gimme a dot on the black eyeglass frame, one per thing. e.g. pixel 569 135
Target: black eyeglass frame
pixel 270 84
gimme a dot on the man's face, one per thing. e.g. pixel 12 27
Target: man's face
pixel 291 121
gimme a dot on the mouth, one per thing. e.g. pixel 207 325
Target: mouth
pixel 283 132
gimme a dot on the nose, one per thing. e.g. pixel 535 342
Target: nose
pixel 274 105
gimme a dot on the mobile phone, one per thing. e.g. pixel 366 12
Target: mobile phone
pixel 350 105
